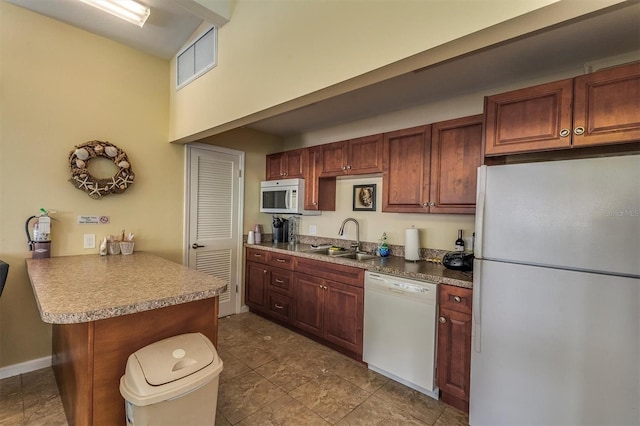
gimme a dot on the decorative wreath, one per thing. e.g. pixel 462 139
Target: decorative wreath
pixel 96 188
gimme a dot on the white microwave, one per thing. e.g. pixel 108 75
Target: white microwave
pixel 285 196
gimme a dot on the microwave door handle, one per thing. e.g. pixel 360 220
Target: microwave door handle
pixel 286 199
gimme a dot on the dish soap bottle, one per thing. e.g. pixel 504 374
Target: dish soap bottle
pixel 383 249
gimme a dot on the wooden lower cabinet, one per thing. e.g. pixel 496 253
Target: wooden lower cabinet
pixel 328 304
pixel 330 310
pixel 454 346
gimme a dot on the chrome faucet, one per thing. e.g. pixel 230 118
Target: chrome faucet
pixel 341 232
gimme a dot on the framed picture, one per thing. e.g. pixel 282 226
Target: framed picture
pixel 364 198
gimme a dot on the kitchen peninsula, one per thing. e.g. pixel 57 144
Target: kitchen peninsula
pixel 103 308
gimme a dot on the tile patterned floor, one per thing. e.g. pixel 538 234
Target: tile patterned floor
pixel 271 376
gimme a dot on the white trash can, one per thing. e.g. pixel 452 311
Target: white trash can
pixel 172 382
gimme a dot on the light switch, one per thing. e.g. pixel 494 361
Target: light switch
pixel 89 241
pixel 312 230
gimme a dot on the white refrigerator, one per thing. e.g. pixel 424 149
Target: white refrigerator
pixel 556 294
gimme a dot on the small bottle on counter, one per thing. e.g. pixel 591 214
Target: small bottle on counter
pixel 459 244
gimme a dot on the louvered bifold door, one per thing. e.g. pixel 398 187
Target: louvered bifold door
pixel 213 219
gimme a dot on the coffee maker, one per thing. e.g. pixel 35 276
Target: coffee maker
pixel 280 230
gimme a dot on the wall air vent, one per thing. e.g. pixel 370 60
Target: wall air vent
pixel 197 58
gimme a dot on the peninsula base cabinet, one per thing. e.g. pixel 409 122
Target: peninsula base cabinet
pixel 320 299
pixel 454 345
pixel 89 358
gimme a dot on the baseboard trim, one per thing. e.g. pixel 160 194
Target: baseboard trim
pixel 25 367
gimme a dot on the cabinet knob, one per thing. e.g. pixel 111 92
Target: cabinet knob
pixel 264 271
pixel 425 204
pixel 344 167
pixel 442 320
pixel 281 260
pixel 349 167
pixel 432 204
pixel 279 306
pixel 457 299
pixel 564 133
pixel 315 203
pixel 578 130
pixel 279 281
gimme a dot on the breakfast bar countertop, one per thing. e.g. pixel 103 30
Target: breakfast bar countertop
pixel 84 288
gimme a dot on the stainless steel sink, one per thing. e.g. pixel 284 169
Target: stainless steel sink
pixel 357 256
pixel 345 254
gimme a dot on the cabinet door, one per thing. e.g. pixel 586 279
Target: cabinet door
pixel 454 356
pixel 319 193
pixel 537 118
pixel 456 154
pixel 606 106
pixel 334 159
pixel 406 170
pixel 293 164
pixel 365 155
pixel 308 292
pixel 275 166
pixel 343 315
pixel 257 278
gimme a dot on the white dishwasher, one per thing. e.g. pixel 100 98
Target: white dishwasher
pixel 400 330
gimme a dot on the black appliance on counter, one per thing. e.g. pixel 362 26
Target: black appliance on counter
pixel 280 230
pixel 458 260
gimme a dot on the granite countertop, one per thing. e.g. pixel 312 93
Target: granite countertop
pixel 76 289
pixel 392 265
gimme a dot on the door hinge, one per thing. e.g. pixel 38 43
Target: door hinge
pixel 236 288
pixel 239 173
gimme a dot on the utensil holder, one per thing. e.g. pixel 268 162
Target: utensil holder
pixel 126 247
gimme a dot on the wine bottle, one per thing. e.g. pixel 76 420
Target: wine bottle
pixel 459 242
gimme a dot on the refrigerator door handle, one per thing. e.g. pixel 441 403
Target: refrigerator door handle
pixel 477 317
pixel 480 196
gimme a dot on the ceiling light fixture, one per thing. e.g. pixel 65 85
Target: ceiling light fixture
pixel 128 10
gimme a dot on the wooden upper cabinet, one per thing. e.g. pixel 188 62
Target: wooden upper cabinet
pixel 531 119
pixel 285 165
pixel 319 193
pixel 599 108
pixel 356 156
pixel 456 154
pixel 606 106
pixel 406 170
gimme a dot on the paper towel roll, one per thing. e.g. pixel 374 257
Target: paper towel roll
pixel 411 244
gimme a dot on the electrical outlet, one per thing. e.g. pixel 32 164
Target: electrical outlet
pixel 312 230
pixel 89 241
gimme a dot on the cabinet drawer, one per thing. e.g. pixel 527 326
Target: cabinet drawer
pixel 255 255
pixel 331 271
pixel 281 282
pixel 280 260
pixel 279 306
pixel 457 299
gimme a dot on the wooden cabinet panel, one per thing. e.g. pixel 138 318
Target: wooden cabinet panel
pixel 599 108
pixel 331 271
pixel 607 106
pixel 531 119
pixel 280 260
pixel 307 303
pixel 279 306
pixel 334 159
pixel 256 255
pixel 406 170
pixel 343 315
pixel 319 193
pixel 256 281
pixel 456 154
pixel 365 155
pixel 454 345
pixel 285 165
pixel 281 282
pixel 356 156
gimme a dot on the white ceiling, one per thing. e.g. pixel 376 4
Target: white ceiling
pixel 166 31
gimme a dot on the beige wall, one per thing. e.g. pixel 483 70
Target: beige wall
pixel 272 52
pixel 62 86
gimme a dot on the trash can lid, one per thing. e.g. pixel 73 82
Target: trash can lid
pixel 174 358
